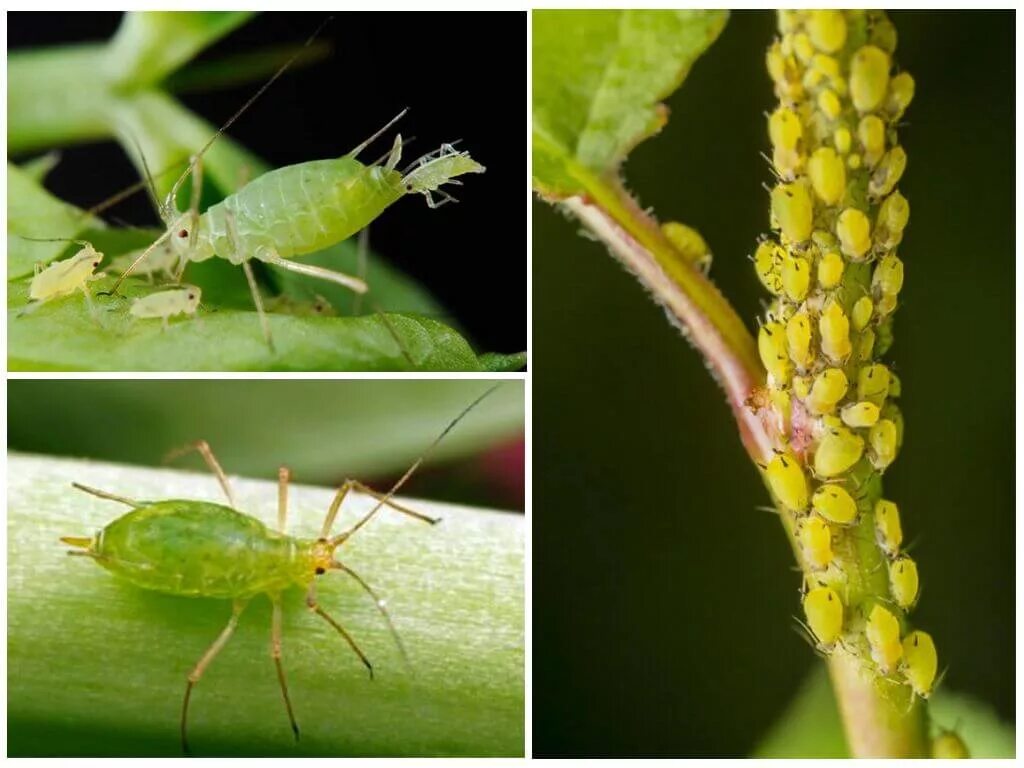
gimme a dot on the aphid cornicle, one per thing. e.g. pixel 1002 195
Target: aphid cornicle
pixel 199 549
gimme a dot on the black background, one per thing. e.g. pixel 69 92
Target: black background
pixel 662 599
pixel 463 75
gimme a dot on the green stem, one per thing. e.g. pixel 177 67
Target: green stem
pixel 97 666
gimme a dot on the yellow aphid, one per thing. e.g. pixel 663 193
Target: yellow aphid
pixel 888 172
pixel 883 439
pixel 949 746
pixel 165 304
pixel 815 539
pixel 813 78
pixel 843 140
pixel 828 389
pixel 887 304
pixel 827 65
pixel 63 278
pixel 883 633
pixel 828 175
pixel 854 161
pixel 887 279
pixel 782 405
pixel 903 581
pixel 834 328
pixel 796 277
pixel 895 385
pixel 803 48
pixel 829 104
pixel 793 211
pixel 892 413
pixel 869 78
pixel 827 30
pixel 689 243
pixel 775 61
pixel 838 450
pixel 854 232
pixel 771 344
pixel 830 270
pixel 893 216
pixel 834 504
pixel 873 383
pixel 888 530
pixel 802 386
pixel 860 315
pixel 882 32
pixel 788 20
pixel 824 612
pixel 784 128
pixel 859 415
pixel 901 93
pixel 920 662
pixel 788 482
pixel 871 133
pixel 798 337
pixel 865 344
pixel 768 265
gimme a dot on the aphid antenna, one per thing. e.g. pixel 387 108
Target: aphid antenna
pixel 148 176
pixel 105 495
pixel 380 132
pixel 394 334
pixel 83 243
pixel 341 537
pixel 130 190
pixel 170 200
pixel 404 143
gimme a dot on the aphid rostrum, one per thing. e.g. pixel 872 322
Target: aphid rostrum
pixel 299 209
pixel 194 548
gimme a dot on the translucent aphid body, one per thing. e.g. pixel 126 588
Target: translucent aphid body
pixel 192 548
pixel 920 662
pixel 835 271
pixel 824 612
pixel 65 277
pixel 164 305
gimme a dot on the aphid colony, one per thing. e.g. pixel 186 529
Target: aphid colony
pixel 835 278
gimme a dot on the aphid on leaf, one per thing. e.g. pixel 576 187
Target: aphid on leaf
pixel 815 539
pixel 798 338
pixel 837 451
pixel 883 633
pixel 796 277
pixel 65 277
pixel 949 746
pixel 830 270
pixel 883 440
pixel 920 662
pixel 164 305
pixel 828 389
pixel 873 383
pixel 768 260
pixel 689 243
pixel 793 211
pixel 771 345
pixel 869 78
pixel 888 172
pixel 854 232
pixel 828 175
pixel 834 504
pixel 200 549
pixel 827 30
pixel 788 482
pixel 834 327
pixel 863 414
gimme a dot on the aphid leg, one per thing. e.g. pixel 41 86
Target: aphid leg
pixel 105 495
pixel 379 602
pixel 312 604
pixel 196 674
pixel 284 476
pixel 350 485
pixel 352 283
pixel 395 155
pixel 203 449
pixel 398 339
pixel 361 253
pixel 275 652
pixel 257 299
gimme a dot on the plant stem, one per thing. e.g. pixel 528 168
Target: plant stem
pixel 97 666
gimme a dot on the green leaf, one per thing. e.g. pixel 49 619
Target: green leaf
pixel 34 212
pixel 38 168
pixel 810 726
pixel 97 666
pixel 149 45
pixel 62 335
pixel 598 78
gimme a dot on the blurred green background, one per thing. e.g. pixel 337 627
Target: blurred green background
pixel 326 431
pixel 662 598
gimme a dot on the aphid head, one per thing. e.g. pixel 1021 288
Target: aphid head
pixel 321 556
pixel 438 168
pixel 193 295
pixel 183 232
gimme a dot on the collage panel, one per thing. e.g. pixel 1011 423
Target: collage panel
pixel 395 507
pixel 774 508
pixel 231 191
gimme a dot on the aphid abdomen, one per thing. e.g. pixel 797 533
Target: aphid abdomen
pixel 198 549
pixel 301 208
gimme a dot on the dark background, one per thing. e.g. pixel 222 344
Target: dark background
pixel 463 75
pixel 662 599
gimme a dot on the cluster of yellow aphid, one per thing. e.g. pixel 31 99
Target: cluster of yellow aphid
pixel 835 278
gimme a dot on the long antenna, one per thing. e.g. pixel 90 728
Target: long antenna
pixel 172 195
pixel 409 472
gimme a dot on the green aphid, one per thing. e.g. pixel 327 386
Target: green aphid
pixel 194 548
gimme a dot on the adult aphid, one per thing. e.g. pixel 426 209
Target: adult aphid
pixel 199 549
pixel 299 209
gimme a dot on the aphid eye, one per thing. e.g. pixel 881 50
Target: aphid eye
pixel 191 296
pixel 183 233
pixel 319 571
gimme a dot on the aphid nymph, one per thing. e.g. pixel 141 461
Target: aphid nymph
pixel 199 549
